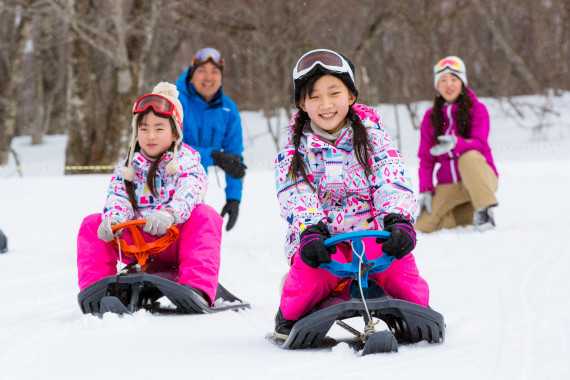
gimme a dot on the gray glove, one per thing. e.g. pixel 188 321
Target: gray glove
pixel 104 231
pixel 158 222
pixel 424 200
pixel 446 144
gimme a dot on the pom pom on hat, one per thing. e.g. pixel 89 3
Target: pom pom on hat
pixel 170 92
pixel 451 64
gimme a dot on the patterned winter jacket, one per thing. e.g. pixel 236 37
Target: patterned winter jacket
pixel 346 195
pixel 448 171
pixel 181 192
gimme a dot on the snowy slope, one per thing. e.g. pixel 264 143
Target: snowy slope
pixel 504 293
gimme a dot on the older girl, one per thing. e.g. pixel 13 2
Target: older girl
pixel 340 172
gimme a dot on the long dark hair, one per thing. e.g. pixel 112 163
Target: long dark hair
pixel 151 177
pixel 463 115
pixel 361 140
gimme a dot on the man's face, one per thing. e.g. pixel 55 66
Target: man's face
pixel 207 79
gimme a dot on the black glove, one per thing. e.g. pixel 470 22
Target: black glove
pixel 402 239
pixel 230 163
pixel 232 209
pixel 313 250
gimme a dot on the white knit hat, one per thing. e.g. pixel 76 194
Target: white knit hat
pixel 451 64
pixel 170 92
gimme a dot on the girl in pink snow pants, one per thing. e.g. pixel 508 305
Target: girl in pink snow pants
pixel 163 182
pixel 305 287
pixel 193 259
pixel 339 172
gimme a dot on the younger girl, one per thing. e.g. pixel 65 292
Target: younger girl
pixel 454 134
pixel 340 172
pixel 163 182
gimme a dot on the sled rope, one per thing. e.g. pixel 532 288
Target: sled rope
pixel 369 328
pixel 120 257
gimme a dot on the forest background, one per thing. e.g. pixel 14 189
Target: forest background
pixel 75 67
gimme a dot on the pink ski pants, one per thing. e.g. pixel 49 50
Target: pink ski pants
pixel 304 286
pixel 193 259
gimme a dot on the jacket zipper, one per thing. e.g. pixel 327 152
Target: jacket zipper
pixel 448 132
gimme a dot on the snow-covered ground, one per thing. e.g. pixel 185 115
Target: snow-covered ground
pixel 504 293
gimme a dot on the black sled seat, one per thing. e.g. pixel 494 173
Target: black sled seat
pixel 123 294
pixel 409 322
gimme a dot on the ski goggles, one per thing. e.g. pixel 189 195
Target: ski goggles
pixel 449 63
pixel 160 104
pixel 327 59
pixel 208 54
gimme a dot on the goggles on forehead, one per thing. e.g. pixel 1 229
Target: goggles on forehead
pixel 208 54
pixel 325 58
pixel 448 63
pixel 160 104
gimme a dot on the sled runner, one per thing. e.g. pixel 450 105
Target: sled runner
pixel 133 289
pixel 358 297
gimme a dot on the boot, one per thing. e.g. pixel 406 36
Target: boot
pixel 283 326
pixel 483 219
pixel 202 297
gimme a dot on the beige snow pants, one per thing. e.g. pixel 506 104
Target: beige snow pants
pixel 453 204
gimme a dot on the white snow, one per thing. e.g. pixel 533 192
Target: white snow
pixel 504 293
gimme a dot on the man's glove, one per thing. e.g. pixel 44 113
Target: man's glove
pixel 158 222
pixel 446 144
pixel 424 200
pixel 105 232
pixel 230 163
pixel 402 239
pixel 313 250
pixel 232 209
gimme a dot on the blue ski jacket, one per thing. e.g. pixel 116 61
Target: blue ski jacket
pixel 214 126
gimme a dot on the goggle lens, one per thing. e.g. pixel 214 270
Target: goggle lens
pixel 448 63
pixel 160 104
pixel 326 58
pixel 208 54
pixel 323 57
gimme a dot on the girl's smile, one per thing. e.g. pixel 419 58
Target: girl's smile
pixel 449 87
pixel 327 104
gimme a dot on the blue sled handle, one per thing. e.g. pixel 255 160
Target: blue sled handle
pixel 353 269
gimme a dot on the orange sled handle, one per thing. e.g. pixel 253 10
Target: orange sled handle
pixel 140 248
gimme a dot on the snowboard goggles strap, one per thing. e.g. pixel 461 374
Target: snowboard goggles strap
pixel 208 54
pixel 327 59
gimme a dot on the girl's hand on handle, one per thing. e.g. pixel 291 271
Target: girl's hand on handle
pixel 158 222
pixel 105 232
pixel 402 239
pixel 313 250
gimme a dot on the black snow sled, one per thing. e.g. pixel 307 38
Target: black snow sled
pixel 133 289
pixel 357 297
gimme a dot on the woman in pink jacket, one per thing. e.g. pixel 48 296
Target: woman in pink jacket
pixel 163 182
pixel 454 134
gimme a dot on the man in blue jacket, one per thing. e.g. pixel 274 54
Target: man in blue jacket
pixel 212 124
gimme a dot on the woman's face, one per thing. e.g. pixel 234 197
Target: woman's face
pixel 327 105
pixel 155 135
pixel 449 86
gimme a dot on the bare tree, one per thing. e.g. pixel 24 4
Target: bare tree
pixel 16 25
